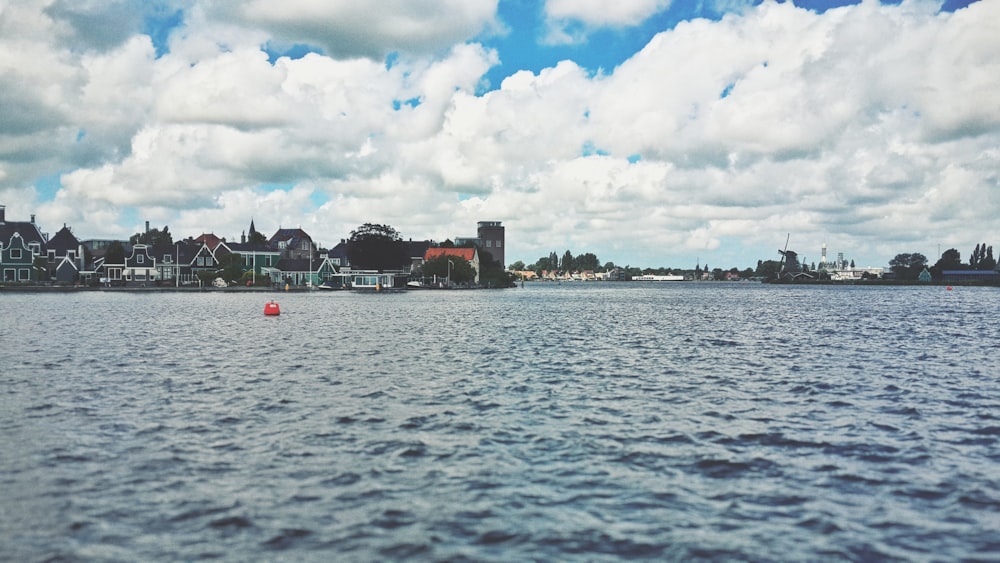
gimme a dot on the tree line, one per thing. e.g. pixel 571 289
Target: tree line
pixel 908 266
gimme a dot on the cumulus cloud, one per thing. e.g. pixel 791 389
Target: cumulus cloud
pixel 361 29
pixel 712 142
pixel 570 21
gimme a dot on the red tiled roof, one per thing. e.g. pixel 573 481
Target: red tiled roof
pixel 466 253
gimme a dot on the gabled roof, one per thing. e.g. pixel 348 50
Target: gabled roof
pixel 183 252
pixel 468 254
pixel 63 241
pixel 29 232
pixel 209 240
pixel 417 248
pixel 288 235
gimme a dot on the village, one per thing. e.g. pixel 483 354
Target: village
pixel 289 258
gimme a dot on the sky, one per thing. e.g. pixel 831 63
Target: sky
pixel 652 133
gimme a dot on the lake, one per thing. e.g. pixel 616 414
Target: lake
pixel 575 421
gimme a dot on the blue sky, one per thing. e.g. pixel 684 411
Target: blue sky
pixel 648 132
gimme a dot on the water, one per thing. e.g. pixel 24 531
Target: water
pixel 554 422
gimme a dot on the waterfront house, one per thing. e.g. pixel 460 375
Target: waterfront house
pixel 65 257
pixel 140 265
pixel 302 271
pixel 174 262
pixel 470 255
pixel 338 255
pixel 260 258
pixel 20 244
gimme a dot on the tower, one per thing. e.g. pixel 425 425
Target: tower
pixel 822 260
pixel 491 235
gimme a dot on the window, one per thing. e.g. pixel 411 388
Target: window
pixel 25 274
pixel 138 259
pixel 499 243
pixel 166 258
pixel 305 245
pixel 489 244
pixel 15 253
pixel 52 254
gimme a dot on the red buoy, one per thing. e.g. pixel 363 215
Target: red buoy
pixel 271 309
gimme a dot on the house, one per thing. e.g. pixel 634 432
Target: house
pixel 292 243
pixel 20 244
pixel 416 251
pixel 174 262
pixel 303 271
pixel 260 258
pixel 470 255
pixel 66 257
pixel 140 265
pixel 338 255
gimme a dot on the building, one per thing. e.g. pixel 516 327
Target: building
pixel 20 244
pixel 491 235
pixel 470 255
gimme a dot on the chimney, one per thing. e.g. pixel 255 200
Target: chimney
pixel 2 213
pixel 32 218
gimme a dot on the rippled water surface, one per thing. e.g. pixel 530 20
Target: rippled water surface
pixel 554 422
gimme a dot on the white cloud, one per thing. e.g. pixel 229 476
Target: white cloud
pixel 569 21
pixel 712 143
pixel 364 29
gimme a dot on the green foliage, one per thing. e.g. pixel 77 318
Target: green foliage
pixel 460 271
pixel 257 238
pixel 517 266
pixel 587 261
pixel 153 237
pixel 115 253
pixel 768 269
pixel 492 273
pixel 231 268
pixel 908 266
pixel 377 247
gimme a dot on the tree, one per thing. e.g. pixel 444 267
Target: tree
pixel 492 273
pixel 115 253
pixel 461 271
pixel 567 262
pixel 377 247
pixel 950 259
pixel 908 266
pixel 768 269
pixel 153 237
pixel 988 263
pixel 517 266
pixel 257 238
pixel 231 268
pixel 587 261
